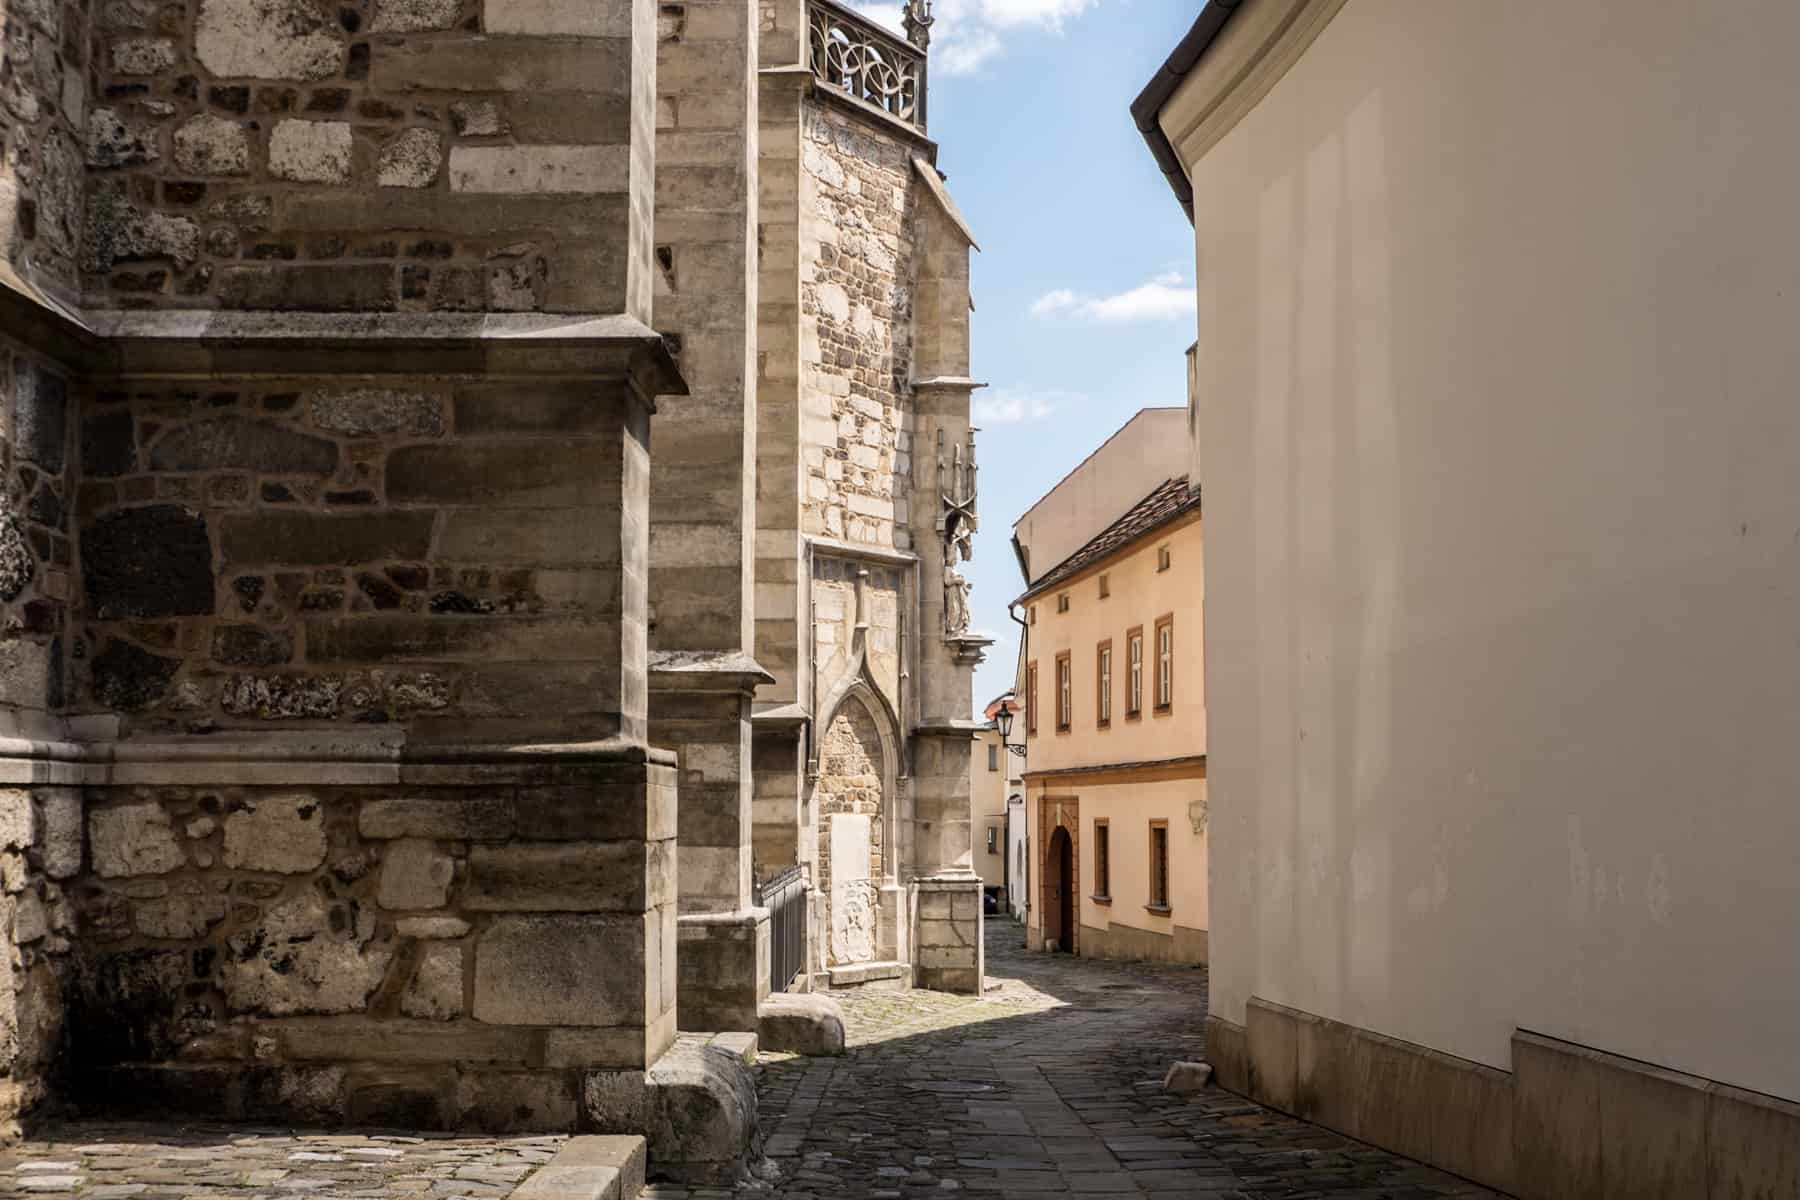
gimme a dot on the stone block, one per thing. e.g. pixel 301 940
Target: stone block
pixel 547 408
pixel 314 539
pixel 413 16
pixel 565 970
pixel 59 831
pixel 310 151
pixel 616 1047
pixel 266 39
pixel 283 834
pixel 1653 1126
pixel 415 875
pixel 558 18
pixel 1187 1078
pixel 179 918
pixel 133 839
pixel 539 170
pixel 454 817
pixel 1556 1119
pixel 365 411
pixel 568 877
pixel 302 958
pixel 241 443
pixel 514 474
pixel 40 416
pixel 251 646
pixel 795 1023
pixel 430 928
pixel 389 639
pixel 697 1106
pixel 306 1095
pixel 410 159
pixel 209 145
pixel 18 819
pixel 335 288
pixel 393 1098
pixel 360 1040
pixel 1228 1051
pixel 126 678
pixel 154 561
pixel 518 1102
pixel 1274 1048
pixel 435 992
pixel 1752 1145
pixel 282 697
pixel 590 1168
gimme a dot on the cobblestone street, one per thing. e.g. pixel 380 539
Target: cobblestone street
pixel 1047 1086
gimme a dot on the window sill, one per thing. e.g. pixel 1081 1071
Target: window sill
pixel 1135 716
pixel 1101 899
pixel 1102 724
pixel 1161 910
pixel 1165 710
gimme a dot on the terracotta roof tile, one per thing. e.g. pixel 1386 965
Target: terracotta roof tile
pixel 1167 501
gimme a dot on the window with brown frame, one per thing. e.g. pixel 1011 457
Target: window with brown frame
pixel 1065 693
pixel 1159 866
pixel 1105 586
pixel 1033 614
pixel 1134 671
pixel 1164 558
pixel 1103 684
pixel 1031 700
pixel 1165 662
pixel 1062 603
pixel 1102 862
pixel 993 758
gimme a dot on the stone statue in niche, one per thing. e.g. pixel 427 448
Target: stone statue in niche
pixel 957 525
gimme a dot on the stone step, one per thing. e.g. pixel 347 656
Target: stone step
pixel 589 1168
pixel 861 974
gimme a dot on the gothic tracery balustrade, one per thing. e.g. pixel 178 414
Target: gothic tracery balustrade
pixel 853 54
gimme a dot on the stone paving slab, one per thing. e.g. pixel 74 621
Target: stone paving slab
pixel 110 1161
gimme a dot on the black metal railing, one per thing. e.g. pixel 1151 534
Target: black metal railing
pixel 855 55
pixel 784 895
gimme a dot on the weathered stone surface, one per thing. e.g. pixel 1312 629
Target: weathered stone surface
pixel 298 960
pixel 282 697
pixel 333 288
pixel 16 564
pixel 539 170
pixel 479 818
pixel 266 39
pixel 154 561
pixel 514 1102
pixel 180 917
pixel 318 539
pixel 209 145
pixel 117 230
pixel 251 646
pixel 411 159
pixel 409 16
pixel 431 928
pixel 30 921
pixel 241 443
pixel 126 1003
pixel 1186 1078
pixel 801 1023
pixel 18 820
pixel 128 679
pixel 567 877
pixel 436 990
pixel 697 1106
pixel 360 412
pixel 560 971
pixel 284 834
pixel 40 416
pixel 310 151
pixel 59 831
pixel 107 447
pixel 142 56
pixel 133 839
pixel 415 875
pixel 556 18
pixel 114 142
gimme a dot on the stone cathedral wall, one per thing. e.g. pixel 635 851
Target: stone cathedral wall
pixel 43 119
pixel 856 296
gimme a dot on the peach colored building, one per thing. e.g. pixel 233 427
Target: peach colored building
pixel 1114 726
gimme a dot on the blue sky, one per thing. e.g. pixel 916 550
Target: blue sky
pixel 1084 287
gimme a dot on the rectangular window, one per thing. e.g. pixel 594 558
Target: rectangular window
pixel 1134 671
pixel 1031 700
pixel 1034 614
pixel 993 758
pixel 1062 603
pixel 1065 693
pixel 1163 558
pixel 1103 684
pixel 1102 861
pixel 1159 865
pixel 1165 662
pixel 1105 586
pixel 993 839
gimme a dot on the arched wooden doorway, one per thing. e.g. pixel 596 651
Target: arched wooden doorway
pixel 1059 918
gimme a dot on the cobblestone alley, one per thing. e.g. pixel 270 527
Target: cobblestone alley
pixel 1047 1086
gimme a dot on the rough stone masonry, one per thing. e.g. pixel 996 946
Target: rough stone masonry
pixel 395 707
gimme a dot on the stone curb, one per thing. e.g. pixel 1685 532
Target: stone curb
pixel 589 1168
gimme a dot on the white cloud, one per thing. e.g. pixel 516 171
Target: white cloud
pixel 1004 406
pixel 1165 297
pixel 966 33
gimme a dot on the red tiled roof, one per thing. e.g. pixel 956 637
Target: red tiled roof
pixel 1167 501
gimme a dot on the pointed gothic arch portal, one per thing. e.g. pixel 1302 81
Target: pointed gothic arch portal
pixel 858 828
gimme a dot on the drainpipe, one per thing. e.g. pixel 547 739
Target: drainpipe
pixel 1025 655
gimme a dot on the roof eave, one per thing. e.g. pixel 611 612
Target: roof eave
pixel 1147 108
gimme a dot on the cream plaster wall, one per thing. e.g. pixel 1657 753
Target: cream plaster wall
pixel 1140 594
pixel 1128 807
pixel 1098 492
pixel 1499 433
pixel 987 803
